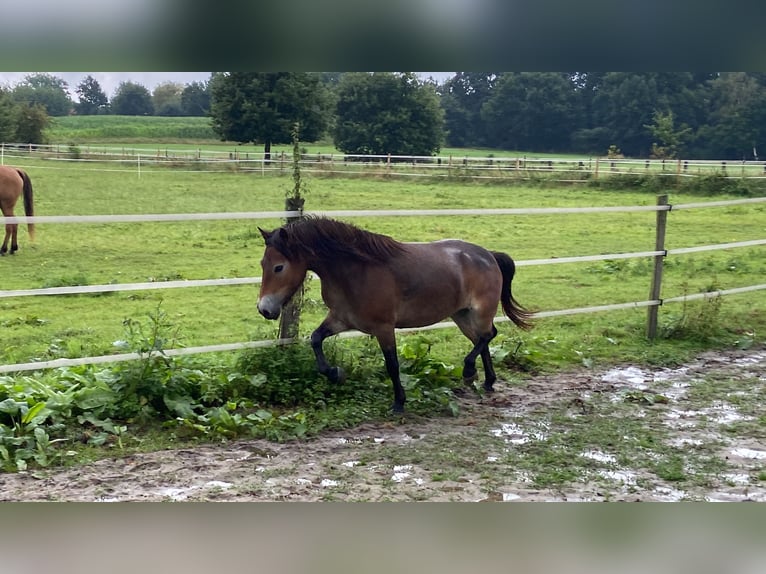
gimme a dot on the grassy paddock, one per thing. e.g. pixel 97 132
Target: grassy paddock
pixel 72 254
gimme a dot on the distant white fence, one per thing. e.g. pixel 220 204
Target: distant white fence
pixel 501 166
pixel 659 254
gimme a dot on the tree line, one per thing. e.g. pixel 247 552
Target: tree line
pixel 638 114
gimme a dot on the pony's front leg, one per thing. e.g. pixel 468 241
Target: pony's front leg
pixel 328 328
pixel 387 342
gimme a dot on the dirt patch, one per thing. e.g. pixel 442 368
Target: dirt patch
pixel 695 432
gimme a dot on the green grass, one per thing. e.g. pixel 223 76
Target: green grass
pixel 78 129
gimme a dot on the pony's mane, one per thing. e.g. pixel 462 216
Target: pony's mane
pixel 326 239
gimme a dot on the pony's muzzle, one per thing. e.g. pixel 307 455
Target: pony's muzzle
pixel 269 308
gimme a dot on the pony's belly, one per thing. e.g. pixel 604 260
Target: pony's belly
pixel 422 315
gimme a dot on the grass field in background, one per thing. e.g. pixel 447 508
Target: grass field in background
pixel 192 133
pixel 81 325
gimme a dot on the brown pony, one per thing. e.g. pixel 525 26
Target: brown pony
pixel 375 284
pixel 14 183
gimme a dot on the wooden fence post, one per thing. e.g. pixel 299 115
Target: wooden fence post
pixel 289 320
pixel 656 288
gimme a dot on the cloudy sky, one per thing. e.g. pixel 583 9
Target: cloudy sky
pixel 110 80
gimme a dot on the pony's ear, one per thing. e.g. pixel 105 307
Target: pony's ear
pixel 282 234
pixel 265 234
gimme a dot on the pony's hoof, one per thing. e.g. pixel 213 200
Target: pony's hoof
pixel 488 388
pixel 397 408
pixel 469 381
pixel 337 375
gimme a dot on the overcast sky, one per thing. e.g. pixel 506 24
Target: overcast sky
pixel 110 80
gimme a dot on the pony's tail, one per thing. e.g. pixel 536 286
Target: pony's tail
pixel 29 202
pixel 513 310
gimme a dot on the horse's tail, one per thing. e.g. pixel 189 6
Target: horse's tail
pixel 513 310
pixel 29 202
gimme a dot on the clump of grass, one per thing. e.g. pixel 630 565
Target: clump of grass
pixel 698 321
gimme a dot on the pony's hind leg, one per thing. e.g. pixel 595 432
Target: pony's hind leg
pixel 4 248
pixel 489 370
pixel 465 321
pixel 14 238
pixel 480 348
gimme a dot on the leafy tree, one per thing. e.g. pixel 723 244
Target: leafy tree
pixel 167 99
pixel 7 117
pixel 624 104
pixel 387 113
pixel 263 107
pixel 534 111
pixel 671 139
pixel 462 98
pixel 46 90
pixel 93 100
pixel 132 99
pixel 31 120
pixel 621 104
pixel 195 99
pixel 331 79
pixel 737 118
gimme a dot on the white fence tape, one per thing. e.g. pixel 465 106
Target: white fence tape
pixel 168 217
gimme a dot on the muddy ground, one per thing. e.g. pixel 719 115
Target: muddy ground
pixel 465 458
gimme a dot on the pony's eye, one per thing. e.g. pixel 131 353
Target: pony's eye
pixel 278 268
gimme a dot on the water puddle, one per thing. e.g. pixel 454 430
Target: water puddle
pixel 183 493
pixel 599 456
pixel 749 453
pixel 514 433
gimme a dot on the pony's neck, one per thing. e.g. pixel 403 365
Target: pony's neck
pixel 329 269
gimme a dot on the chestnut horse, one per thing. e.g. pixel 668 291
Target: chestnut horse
pixel 375 284
pixel 14 183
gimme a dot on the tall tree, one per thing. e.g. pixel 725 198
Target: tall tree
pixel 166 99
pixel 535 111
pixel 737 121
pixel 46 90
pixel 387 113
pixel 668 139
pixel 623 104
pixel 263 107
pixel 462 98
pixel 7 117
pixel 132 99
pixel 195 99
pixel 31 121
pixel 93 100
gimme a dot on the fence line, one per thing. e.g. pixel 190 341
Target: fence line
pixel 60 363
pixel 652 303
pixel 114 287
pixel 490 167
pixel 244 215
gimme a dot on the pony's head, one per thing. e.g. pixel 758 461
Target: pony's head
pixel 281 275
